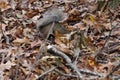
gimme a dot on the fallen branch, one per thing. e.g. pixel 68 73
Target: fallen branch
pixel 54 51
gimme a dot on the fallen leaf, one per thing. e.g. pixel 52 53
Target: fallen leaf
pixel 4 5
pixel 7 65
pixel 32 13
pixel 92 18
pixel 21 41
pixel 74 15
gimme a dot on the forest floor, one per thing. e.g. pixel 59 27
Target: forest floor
pixel 91 51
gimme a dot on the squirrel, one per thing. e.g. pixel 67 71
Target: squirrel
pixel 54 16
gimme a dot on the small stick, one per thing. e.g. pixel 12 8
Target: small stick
pixel 46 73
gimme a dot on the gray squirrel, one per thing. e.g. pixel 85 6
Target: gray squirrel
pixel 52 16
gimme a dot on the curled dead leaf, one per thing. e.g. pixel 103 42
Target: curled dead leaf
pixel 74 15
pixel 32 13
pixel 21 41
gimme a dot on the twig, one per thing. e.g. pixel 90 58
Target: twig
pixel 41 50
pixel 90 73
pixel 106 40
pixel 46 72
pixel 113 27
pixel 54 51
pixel 77 53
pixel 104 6
pixel 36 59
pixel 113 48
pixel 68 75
pixel 116 77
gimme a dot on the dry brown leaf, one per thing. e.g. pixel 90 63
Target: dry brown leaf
pixel 106 68
pixel 7 65
pixel 61 41
pixel 21 41
pixel 65 49
pixel 91 61
pixel 74 15
pixel 24 70
pixel 107 26
pixel 101 43
pixel 89 43
pixel 66 69
pixel 28 32
pixel 4 5
pixel 79 26
pixel 19 32
pixel 88 22
pixel 33 77
pixel 36 43
pixel 32 13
